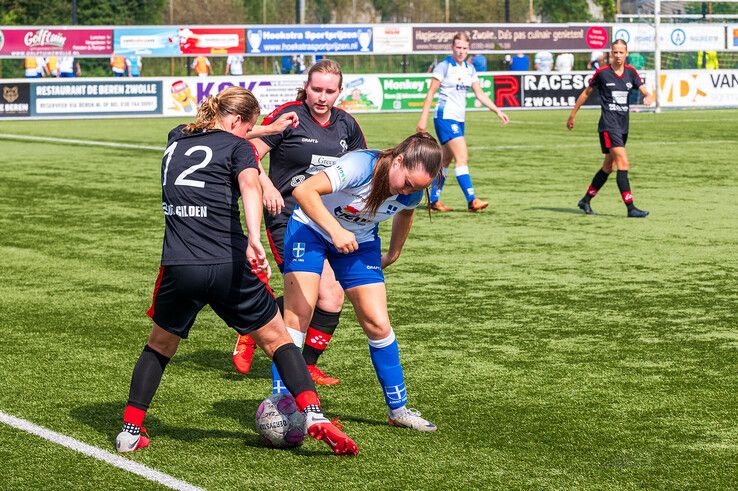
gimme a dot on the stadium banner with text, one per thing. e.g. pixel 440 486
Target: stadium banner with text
pixel 732 37
pixel 99 98
pixel 393 39
pixel 14 100
pixel 34 41
pixel 699 88
pixel 144 41
pixel 511 37
pixel 182 95
pixel 211 40
pixel 314 39
pixel 672 37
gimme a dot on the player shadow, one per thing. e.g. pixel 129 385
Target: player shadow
pixel 243 411
pixel 106 418
pixel 572 211
pixel 358 419
pixel 220 361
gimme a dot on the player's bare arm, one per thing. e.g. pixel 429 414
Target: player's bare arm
pixel 248 182
pixel 277 126
pixel 487 102
pixel 401 224
pixel 308 196
pixel 423 122
pixel 580 100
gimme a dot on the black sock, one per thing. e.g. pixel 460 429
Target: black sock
pixel 598 181
pixel 291 367
pixel 146 377
pixel 322 326
pixel 624 187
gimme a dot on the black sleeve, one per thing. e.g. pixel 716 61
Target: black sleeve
pixel 637 81
pixel 242 158
pixel 594 82
pixel 356 136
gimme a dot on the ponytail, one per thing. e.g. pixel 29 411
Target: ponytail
pixel 232 100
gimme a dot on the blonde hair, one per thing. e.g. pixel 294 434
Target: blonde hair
pixel 232 100
pixel 461 36
pixel 420 149
pixel 323 66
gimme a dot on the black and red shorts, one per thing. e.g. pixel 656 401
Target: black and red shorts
pixel 236 294
pixel 275 234
pixel 610 140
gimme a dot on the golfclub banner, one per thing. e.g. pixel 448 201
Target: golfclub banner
pixel 510 37
pixel 699 88
pixel 672 37
pixel 141 41
pixel 55 42
pixel 14 100
pixel 315 39
pixel 102 98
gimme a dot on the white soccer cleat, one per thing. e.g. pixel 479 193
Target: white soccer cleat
pixel 128 442
pixel 410 418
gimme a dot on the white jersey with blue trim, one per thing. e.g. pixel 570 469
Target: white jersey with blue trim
pixel 351 181
pixel 456 79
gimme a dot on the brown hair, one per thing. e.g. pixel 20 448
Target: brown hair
pixel 323 66
pixel 461 36
pixel 621 41
pixel 420 149
pixel 232 100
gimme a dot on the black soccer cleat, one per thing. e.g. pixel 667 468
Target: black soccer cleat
pixel 636 213
pixel 586 208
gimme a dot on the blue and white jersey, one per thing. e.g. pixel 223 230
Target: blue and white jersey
pixel 351 181
pixel 455 83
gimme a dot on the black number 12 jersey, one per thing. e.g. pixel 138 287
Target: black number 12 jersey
pixel 200 192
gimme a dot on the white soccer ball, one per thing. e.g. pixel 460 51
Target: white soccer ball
pixel 279 422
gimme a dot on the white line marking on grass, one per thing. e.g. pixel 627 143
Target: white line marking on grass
pixel 49 139
pixel 587 145
pixel 98 453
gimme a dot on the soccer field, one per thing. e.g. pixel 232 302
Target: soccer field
pixel 552 349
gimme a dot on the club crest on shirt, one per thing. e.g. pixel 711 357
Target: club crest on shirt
pixel 629 85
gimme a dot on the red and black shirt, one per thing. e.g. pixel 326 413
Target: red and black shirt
pixel 613 90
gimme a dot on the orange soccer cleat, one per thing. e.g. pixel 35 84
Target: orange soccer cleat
pixel 321 378
pixel 244 353
pixel 321 429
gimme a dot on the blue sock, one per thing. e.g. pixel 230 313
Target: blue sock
pixel 437 186
pixel 278 386
pixel 385 356
pixel 462 175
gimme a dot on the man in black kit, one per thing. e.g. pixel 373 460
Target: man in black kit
pixel 613 83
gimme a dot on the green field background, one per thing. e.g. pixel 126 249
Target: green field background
pixel 553 350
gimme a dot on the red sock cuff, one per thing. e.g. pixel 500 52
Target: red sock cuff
pixel 307 398
pixel 134 415
pixel 317 339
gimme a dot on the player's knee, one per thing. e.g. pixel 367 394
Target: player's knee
pixel 376 328
pixel 331 298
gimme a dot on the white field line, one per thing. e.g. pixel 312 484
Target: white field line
pixel 49 139
pixel 471 147
pixel 553 146
pixel 98 453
